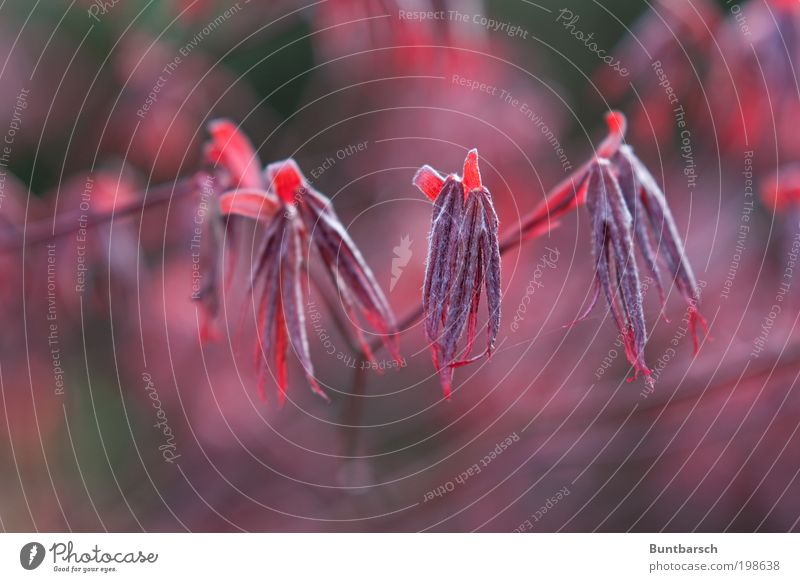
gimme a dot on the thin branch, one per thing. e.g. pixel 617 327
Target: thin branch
pixel 45 230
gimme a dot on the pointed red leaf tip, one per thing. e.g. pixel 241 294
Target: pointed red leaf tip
pixel 696 320
pixel 617 127
pixel 429 181
pixel 231 149
pixel 286 180
pixel 208 329
pixel 472 174
pixel 616 122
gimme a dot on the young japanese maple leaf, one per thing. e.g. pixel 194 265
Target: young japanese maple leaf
pixel 463 259
pixel 234 165
pixel 629 211
pixel 294 216
pixel 612 244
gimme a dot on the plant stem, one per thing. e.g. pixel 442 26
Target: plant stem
pixel 45 230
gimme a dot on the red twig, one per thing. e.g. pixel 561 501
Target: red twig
pixel 45 230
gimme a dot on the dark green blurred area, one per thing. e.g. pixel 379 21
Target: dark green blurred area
pixel 568 64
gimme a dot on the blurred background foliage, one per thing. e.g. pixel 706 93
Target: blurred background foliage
pixel 91 459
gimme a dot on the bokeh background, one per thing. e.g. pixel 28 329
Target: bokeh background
pixel 116 416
